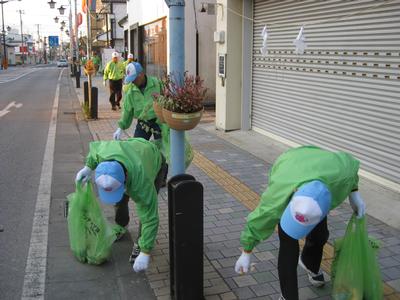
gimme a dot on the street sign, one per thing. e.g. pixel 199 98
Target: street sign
pixel 53 41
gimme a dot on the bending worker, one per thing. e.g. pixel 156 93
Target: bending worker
pixel 138 103
pixel 134 169
pixel 305 183
pixel 114 72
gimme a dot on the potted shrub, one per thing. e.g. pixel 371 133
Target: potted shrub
pixel 158 105
pixel 182 104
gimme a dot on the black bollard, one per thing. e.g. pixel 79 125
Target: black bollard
pixel 86 93
pixel 78 77
pixel 93 107
pixel 185 216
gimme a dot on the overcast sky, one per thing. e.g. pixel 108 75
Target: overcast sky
pixel 38 12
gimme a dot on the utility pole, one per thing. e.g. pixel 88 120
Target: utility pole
pixel 112 22
pixel 177 67
pixel 44 51
pixel 22 35
pixel 71 39
pixel 108 40
pixel 38 38
pixel 4 62
pixel 89 50
pixel 77 66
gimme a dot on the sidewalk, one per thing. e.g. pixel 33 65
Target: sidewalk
pixel 233 170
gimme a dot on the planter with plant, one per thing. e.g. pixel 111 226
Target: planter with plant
pixel 158 104
pixel 182 104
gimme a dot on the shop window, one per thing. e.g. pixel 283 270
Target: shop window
pixel 155 48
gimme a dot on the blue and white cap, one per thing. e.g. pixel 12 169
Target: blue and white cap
pixel 309 205
pixel 132 71
pixel 110 181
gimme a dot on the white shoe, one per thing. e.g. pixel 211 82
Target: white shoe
pixel 281 298
pixel 316 280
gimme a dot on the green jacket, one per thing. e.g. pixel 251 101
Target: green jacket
pixel 126 62
pixel 83 60
pixel 142 161
pixel 139 105
pixel 114 71
pixel 96 60
pixel 292 169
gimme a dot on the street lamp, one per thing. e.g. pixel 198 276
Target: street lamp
pixel 56 19
pixel 61 9
pixel 62 23
pixel 52 3
pixel 5 62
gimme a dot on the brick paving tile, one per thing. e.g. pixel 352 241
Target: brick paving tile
pixel 233 180
pixel 263 289
pixel 228 296
pixel 244 280
pixel 262 277
pixel 244 293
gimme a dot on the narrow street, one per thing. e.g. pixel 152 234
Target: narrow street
pixel 25 108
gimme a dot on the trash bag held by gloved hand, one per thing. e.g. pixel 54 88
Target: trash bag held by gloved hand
pixel 90 235
pixel 355 269
pixel 76 225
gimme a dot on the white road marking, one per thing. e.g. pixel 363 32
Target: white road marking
pixel 35 271
pixel 18 77
pixel 6 110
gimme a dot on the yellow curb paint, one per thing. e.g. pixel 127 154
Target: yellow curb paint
pixel 250 199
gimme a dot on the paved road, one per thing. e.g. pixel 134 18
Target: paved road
pixel 26 98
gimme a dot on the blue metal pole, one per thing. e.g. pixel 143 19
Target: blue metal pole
pixel 177 68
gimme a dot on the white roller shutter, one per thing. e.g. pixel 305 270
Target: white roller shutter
pixel 344 92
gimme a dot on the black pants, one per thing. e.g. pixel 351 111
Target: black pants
pixel 145 129
pixel 115 90
pixel 122 209
pixel 288 257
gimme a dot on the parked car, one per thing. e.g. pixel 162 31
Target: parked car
pixel 62 63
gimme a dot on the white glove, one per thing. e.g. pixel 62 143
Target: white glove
pixel 83 174
pixel 117 134
pixel 104 83
pixel 243 263
pixel 141 262
pixel 357 204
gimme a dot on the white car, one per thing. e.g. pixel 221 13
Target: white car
pixel 62 63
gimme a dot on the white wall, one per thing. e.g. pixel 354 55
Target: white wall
pixel 206 27
pixel 119 10
pixel 228 95
pixel 146 11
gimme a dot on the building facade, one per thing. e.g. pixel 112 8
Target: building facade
pixel 146 32
pixel 341 94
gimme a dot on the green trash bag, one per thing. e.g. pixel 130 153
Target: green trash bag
pixel 355 269
pixel 90 235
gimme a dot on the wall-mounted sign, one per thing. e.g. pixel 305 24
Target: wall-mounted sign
pixel 222 65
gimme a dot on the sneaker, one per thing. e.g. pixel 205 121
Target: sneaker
pixel 135 253
pixel 316 280
pixel 119 106
pixel 281 297
pixel 114 107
